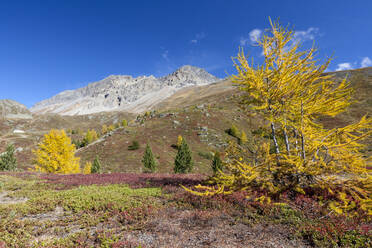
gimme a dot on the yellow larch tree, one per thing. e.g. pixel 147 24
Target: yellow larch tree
pixel 87 168
pixel 104 129
pixel 290 91
pixel 90 136
pixel 56 154
pixel 243 138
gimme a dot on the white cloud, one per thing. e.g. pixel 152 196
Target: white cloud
pixel 243 41
pixel 366 62
pixel 344 66
pixel 302 36
pixel 255 35
pixel 165 55
pixel 198 37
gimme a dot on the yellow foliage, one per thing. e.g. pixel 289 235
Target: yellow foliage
pixel 91 136
pixel 179 141
pixel 87 168
pixel 124 123
pixel 243 138
pixel 104 129
pixel 56 154
pixel 290 90
pixel 111 128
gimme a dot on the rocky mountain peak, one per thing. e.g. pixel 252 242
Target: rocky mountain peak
pixel 10 109
pixel 123 92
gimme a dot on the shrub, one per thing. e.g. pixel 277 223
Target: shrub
pixel 90 136
pixel 87 168
pixel 8 162
pixel 243 138
pixel 216 163
pixel 206 155
pixel 183 162
pixel 56 154
pixel 234 131
pixel 111 128
pixel 148 160
pixel 77 143
pixel 96 167
pixel 124 123
pixel 134 146
pixel 104 129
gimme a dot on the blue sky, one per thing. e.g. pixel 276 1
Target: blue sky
pixel 50 46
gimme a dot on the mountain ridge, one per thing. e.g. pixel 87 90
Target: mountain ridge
pixel 123 93
pixel 10 109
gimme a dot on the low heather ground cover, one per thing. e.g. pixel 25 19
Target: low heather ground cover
pixel 151 210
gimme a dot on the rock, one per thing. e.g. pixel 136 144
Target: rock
pixel 121 92
pixel 18 131
pixel 19 149
pixel 10 109
pixel 202 134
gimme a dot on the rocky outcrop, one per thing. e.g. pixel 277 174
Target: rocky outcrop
pixel 10 109
pixel 118 92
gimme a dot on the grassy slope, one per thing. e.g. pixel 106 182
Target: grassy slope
pixel 219 112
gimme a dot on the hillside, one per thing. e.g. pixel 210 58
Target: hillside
pixel 201 114
pixel 120 208
pixel 10 109
pixel 123 93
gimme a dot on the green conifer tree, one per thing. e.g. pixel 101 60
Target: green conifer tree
pixel 7 160
pixel 183 162
pixel 148 160
pixel 96 167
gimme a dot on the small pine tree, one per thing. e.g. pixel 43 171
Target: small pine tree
pixel 124 123
pixel 243 138
pixel 217 162
pixel 148 160
pixel 56 154
pixel 183 162
pixel 8 161
pixel 96 167
pixel 87 168
pixel 233 131
pixel 179 141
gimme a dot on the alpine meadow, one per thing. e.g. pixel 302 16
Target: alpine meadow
pixel 275 154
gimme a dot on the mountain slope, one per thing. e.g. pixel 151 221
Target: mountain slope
pixel 123 93
pixel 10 109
